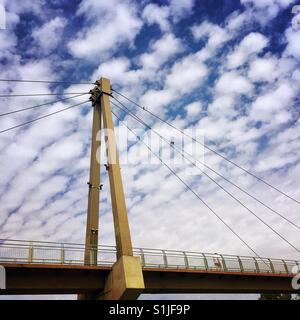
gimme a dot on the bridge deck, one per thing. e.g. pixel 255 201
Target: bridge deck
pixel 72 279
pixel 45 268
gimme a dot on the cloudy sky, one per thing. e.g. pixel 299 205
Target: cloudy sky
pixel 227 68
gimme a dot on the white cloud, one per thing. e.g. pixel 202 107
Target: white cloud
pixel 156 99
pixel 35 69
pixel 117 24
pixel 26 6
pixel 265 10
pixel 154 14
pixel 7 44
pixel 160 15
pixel 236 20
pixel 216 35
pixel 194 109
pixel 161 51
pixel 114 69
pixel 233 83
pixel 222 106
pixel 49 35
pixel 186 74
pixel 253 43
pixel 293 43
pixel 264 69
pixel 267 106
pixel 268 3
pixel 8 39
pixel 181 8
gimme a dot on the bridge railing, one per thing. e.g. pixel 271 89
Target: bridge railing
pixel 214 262
pixel 17 251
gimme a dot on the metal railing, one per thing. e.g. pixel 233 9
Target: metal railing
pixel 18 251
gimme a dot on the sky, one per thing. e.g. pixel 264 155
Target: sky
pixel 228 69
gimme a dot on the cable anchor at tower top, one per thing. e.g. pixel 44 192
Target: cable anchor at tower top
pixel 95 95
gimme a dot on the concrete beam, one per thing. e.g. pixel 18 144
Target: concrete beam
pixel 91 280
pixel 197 281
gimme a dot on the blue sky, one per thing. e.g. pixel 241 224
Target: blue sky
pixel 228 68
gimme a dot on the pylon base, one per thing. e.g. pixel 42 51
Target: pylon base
pixel 125 281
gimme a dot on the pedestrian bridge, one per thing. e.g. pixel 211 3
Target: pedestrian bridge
pixel 48 267
pixel 40 252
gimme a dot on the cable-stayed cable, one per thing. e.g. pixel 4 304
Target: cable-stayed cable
pixel 212 179
pixel 40 94
pixel 210 149
pixel 205 165
pixel 42 117
pixel 44 81
pixel 191 190
pixel 40 105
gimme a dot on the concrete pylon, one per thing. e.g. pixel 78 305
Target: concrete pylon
pixel 125 280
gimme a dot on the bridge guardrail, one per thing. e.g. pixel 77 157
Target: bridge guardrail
pixel 18 251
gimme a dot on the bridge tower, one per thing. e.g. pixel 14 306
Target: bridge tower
pixel 125 281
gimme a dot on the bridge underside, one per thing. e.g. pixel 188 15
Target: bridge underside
pixel 62 279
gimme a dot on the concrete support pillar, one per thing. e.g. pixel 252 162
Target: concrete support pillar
pixel 125 282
